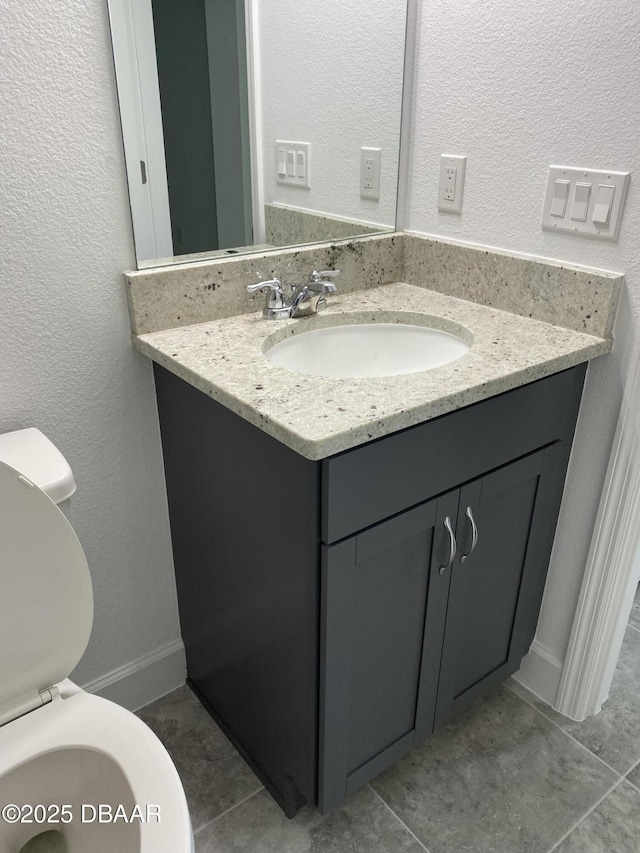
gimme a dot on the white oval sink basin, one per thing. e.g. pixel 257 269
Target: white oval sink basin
pixel 367 350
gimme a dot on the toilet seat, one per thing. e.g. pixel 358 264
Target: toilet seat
pixel 46 606
pixel 88 724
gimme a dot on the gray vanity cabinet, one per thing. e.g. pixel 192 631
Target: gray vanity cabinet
pixel 410 636
pixel 326 627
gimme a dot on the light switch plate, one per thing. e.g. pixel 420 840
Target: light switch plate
pixel 590 192
pixel 293 164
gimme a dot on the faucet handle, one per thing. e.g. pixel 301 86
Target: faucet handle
pixel 318 276
pixel 275 303
pixel 320 282
pixel 272 284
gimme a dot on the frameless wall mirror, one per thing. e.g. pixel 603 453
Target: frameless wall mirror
pixel 250 124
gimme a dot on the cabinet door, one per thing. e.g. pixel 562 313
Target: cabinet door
pixel 505 532
pixel 383 607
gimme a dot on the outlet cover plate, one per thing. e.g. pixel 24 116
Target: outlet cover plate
pixel 370 172
pixel 447 204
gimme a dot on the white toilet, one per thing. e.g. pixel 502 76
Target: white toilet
pixel 77 772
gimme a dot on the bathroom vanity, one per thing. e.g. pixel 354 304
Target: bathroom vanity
pixel 357 561
pixel 326 625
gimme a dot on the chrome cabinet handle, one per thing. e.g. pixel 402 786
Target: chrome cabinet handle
pixel 474 535
pixel 452 546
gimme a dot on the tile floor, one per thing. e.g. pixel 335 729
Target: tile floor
pixel 510 776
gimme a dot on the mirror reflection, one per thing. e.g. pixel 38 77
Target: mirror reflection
pixel 251 125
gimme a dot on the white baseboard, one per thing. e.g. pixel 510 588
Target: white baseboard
pixel 144 680
pixel 540 673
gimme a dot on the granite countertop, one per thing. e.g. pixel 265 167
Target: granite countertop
pixel 320 416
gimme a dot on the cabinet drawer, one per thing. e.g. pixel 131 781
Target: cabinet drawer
pixel 363 486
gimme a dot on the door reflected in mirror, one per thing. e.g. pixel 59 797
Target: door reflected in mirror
pixel 251 125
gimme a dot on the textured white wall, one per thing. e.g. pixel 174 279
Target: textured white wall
pixel 66 364
pixel 331 75
pixel 516 87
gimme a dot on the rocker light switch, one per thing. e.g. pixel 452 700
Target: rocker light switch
pixel 291 164
pixel 282 168
pixel 301 165
pixel 580 202
pixel 559 200
pixel 604 201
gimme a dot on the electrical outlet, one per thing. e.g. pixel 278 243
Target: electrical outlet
pixel 370 172
pixel 451 187
pixel 450 183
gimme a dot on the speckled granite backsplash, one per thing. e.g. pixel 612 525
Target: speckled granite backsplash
pixel 288 226
pixel 564 295
pixel 181 295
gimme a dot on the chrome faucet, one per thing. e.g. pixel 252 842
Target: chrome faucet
pixel 305 299
pixel 275 304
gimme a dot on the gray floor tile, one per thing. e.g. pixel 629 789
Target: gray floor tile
pixel 502 779
pixel 613 827
pixel 362 825
pixel 634 776
pixel 634 618
pixel 614 733
pixel 213 774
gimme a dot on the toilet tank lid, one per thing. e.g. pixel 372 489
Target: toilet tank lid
pixel 31 453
